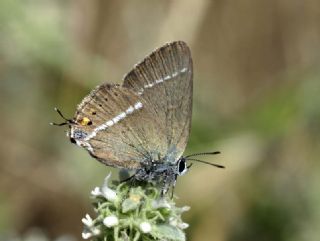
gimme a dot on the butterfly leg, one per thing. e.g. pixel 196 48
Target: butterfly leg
pixel 169 180
pixel 173 186
pixel 127 179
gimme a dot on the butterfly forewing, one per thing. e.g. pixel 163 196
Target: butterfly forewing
pixel 164 79
pixel 147 118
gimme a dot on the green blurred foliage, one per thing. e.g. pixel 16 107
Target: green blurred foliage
pixel 256 99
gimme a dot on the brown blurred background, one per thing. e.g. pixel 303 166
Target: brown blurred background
pixel 256 99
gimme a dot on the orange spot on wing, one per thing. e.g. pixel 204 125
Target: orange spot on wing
pixel 85 121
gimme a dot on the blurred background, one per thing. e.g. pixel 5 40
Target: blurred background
pixel 256 99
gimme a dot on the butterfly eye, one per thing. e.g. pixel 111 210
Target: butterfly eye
pixel 182 167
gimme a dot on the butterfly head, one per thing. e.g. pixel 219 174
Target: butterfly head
pixel 181 167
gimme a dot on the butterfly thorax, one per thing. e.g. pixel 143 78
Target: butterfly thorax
pixel 161 172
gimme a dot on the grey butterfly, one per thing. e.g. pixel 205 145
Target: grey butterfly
pixel 143 124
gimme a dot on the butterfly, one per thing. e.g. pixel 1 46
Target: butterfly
pixel 144 123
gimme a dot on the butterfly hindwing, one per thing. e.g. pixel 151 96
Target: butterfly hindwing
pixel 116 126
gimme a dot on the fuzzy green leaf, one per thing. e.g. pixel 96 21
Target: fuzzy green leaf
pixel 129 204
pixel 168 232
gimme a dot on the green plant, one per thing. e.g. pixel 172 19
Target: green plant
pixel 133 212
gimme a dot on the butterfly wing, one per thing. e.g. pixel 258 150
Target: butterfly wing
pixel 116 126
pixel 147 118
pixel 164 80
